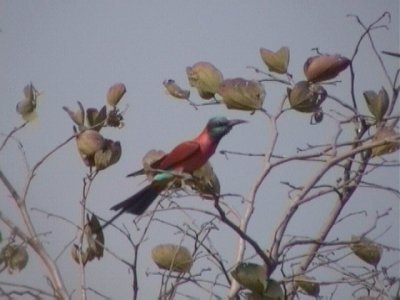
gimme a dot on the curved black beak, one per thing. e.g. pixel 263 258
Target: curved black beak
pixel 236 122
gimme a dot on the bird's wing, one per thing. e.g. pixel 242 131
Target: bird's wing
pixel 179 154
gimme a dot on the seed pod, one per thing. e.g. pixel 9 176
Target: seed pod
pixel 75 255
pixel 27 107
pixel 94 236
pixel 96 119
pixel 366 249
pixel 15 257
pixel 307 284
pixel 276 61
pixel 242 94
pixel 306 97
pixel 89 142
pixel 324 67
pixel 205 77
pixel 93 242
pixel 205 182
pixel 115 118
pixel 273 292
pixel 149 158
pixel 377 103
pixel 251 276
pixel 172 257
pixel 385 133
pixel 108 155
pixel 78 117
pixel 115 93
pixel 175 90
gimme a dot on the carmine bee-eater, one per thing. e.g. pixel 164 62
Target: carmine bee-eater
pixel 184 158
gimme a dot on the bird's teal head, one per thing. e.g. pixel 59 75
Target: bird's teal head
pixel 218 127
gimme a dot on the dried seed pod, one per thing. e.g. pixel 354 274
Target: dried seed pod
pixel 115 118
pixel 306 97
pixel 205 182
pixel 115 93
pixel 242 94
pixel 307 284
pixel 15 257
pixel 273 290
pixel 175 90
pixel 27 107
pixel 366 249
pixel 205 77
pixel 108 155
pixel 93 246
pixel 324 67
pixel 251 276
pixel 96 119
pixel 377 103
pixel 172 257
pixel 75 255
pixel 149 158
pixel 276 61
pixel 89 142
pixel 78 117
pixel 94 236
pixel 385 133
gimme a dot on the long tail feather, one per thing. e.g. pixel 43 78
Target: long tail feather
pixel 137 203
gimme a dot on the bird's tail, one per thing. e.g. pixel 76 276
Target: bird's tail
pixel 137 203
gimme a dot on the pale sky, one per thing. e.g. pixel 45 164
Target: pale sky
pixel 73 51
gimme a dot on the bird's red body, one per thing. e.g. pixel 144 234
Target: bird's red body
pixel 188 156
pixel 184 158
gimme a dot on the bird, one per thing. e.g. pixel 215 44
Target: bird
pixel 183 159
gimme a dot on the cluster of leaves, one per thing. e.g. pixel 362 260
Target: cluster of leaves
pixel 95 150
pixel 249 95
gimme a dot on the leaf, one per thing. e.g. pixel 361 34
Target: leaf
pixel 205 181
pixel 385 134
pixel 78 117
pixel 175 90
pixel 242 94
pixel 172 257
pixel 115 93
pixel 276 61
pixel 377 103
pixel 89 142
pixel 96 119
pixel 205 77
pixel 366 249
pixel 27 107
pixel 307 284
pixel 324 67
pixel 108 155
pixel 306 97
pixel 251 276
pixel 15 257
